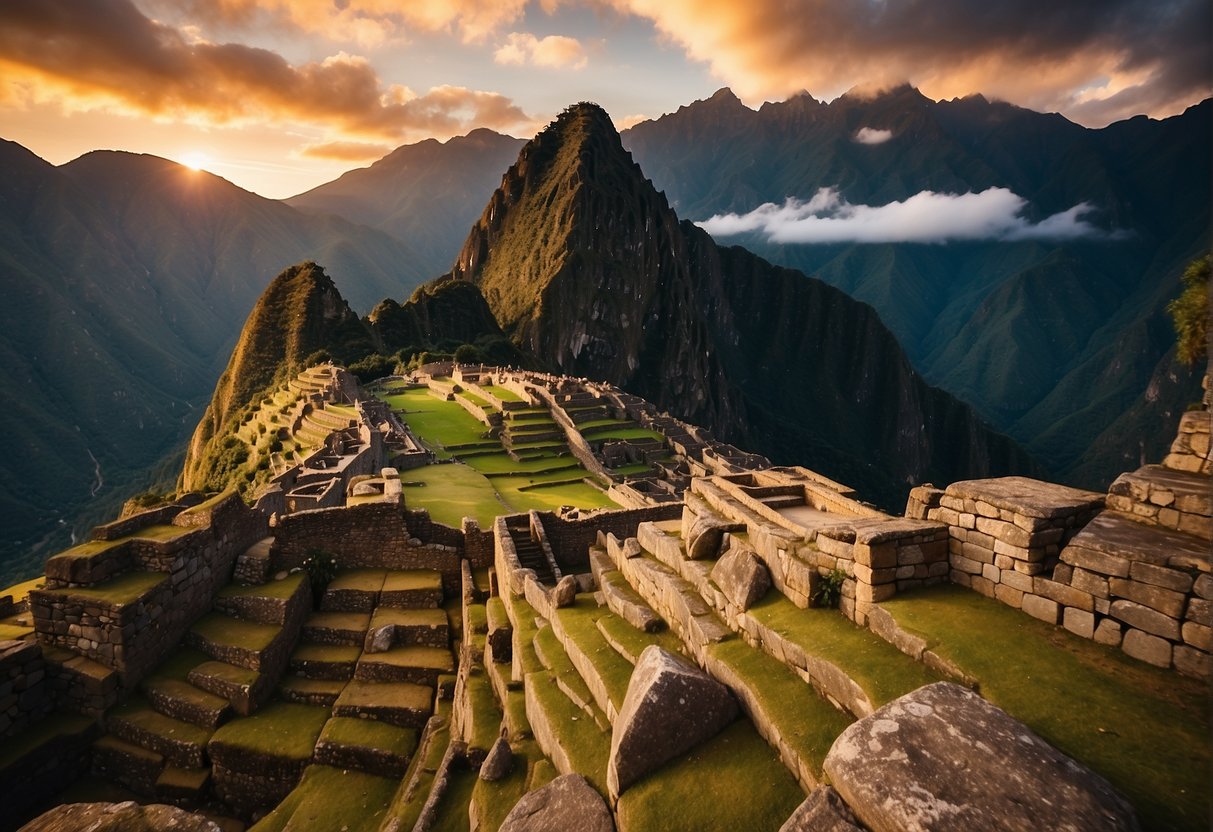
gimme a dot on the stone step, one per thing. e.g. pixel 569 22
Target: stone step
pixel 336 628
pixel 565 677
pixel 234 640
pixel 620 598
pixel 325 661
pixel 268 603
pixel 417 664
pixel 423 627
pixel 183 785
pixel 572 742
pixel 181 743
pixel 1155 495
pixel 126 763
pixel 402 704
pixel 178 699
pixel 366 745
pixel 1112 542
pixel 604 671
pixel 411 589
pixel 240 686
pixel 353 590
pixel 253 564
pixel 304 691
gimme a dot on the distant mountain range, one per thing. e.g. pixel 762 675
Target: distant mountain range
pixel 125 281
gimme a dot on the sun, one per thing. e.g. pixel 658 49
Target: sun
pixel 195 160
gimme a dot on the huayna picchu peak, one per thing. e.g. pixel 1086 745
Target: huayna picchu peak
pixel 610 527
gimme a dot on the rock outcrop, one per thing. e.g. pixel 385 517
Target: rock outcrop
pixel 119 817
pixel 670 707
pixel 943 758
pixel 568 802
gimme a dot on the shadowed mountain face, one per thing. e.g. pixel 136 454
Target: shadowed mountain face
pixel 1051 340
pixel 586 266
pixel 427 194
pixel 126 279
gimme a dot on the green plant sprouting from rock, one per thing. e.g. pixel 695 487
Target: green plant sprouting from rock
pixel 829 589
pixel 1190 313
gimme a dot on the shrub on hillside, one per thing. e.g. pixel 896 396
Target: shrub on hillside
pixel 1190 313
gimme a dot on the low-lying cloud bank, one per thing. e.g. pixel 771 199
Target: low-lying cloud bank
pixel 926 217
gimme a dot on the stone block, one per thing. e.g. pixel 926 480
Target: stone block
pixel 1017 580
pixel 1109 632
pixel 1144 618
pixel 1148 648
pixel 1095 561
pixel 1079 622
pixel 1197 635
pixel 1199 610
pixel 568 802
pixel 943 758
pixel 1192 662
pixel 968 565
pixel 1096 585
pixel 991 573
pixel 742 577
pixel 1203 586
pixel 822 811
pixel 1045 609
pixel 1009 596
pixel 981 585
pixel 1172 579
pixel 1067 596
pixel 1166 601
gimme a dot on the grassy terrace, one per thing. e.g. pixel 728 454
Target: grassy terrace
pixel 124 589
pixel 332 798
pixel 1146 730
pixel 502 393
pixel 454 491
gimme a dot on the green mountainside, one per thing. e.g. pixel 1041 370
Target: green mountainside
pixel 125 281
pixel 427 194
pixel 586 266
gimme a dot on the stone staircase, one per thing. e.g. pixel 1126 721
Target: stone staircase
pixel 532 556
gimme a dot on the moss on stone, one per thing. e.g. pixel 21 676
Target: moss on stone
pixel 139 713
pixel 492 801
pixel 124 589
pixel 280 590
pixel 370 733
pixel 331 798
pixel 218 628
pixel 280 729
pixel 880 669
pixel 579 624
pixel 406 579
pixel 329 653
pixel 587 746
pixel 50 728
pixel 362 580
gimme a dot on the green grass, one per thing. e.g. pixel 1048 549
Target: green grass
pixel 364 580
pixel 880 669
pixel 748 787
pixel 335 653
pixel 436 422
pixel 598 435
pixel 495 800
pixel 503 464
pixel 162 533
pixel 332 798
pixel 14 631
pixel 124 589
pixel 452 492
pixel 805 720
pixel 139 712
pixel 178 664
pixel 479 401
pixel 400 579
pixel 631 470
pixel 451 813
pixel 552 498
pixel 579 625
pixel 635 641
pixel 280 729
pixel 487 723
pixel 1146 730
pixel 587 747
pixel 502 393
pixel 408 802
pixel 230 673
pixel 370 733
pixel 21 591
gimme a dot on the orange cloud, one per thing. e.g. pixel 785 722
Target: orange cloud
pixel 1037 53
pixel 369 23
pixel 89 53
pixel 555 51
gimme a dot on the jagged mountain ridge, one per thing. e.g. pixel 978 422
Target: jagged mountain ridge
pixel 585 265
pixel 126 279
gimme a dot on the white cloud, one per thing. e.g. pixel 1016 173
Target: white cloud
pixel 556 51
pixel 870 135
pixel 926 217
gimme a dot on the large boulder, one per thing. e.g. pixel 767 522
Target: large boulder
pixel 822 811
pixel 565 593
pixel 943 758
pixel 706 535
pixel 670 707
pixel 741 576
pixel 499 763
pixel 119 817
pixel 566 803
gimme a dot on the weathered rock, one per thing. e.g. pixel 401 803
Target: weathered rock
pixel 742 577
pixel 942 758
pixel 670 707
pixel 499 762
pixel 706 535
pixel 501 644
pixel 565 593
pixel 119 817
pixel 566 803
pixel 380 639
pixel 822 811
pixel 631 548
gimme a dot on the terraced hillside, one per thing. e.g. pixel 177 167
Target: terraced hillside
pixel 738 645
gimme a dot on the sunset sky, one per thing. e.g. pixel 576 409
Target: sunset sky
pixel 281 95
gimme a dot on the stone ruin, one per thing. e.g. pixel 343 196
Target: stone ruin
pixel 566 667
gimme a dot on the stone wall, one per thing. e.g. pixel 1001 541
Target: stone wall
pixel 369 535
pixel 23 694
pixel 570 539
pixel 1190 451
pixel 477 544
pixel 130 630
